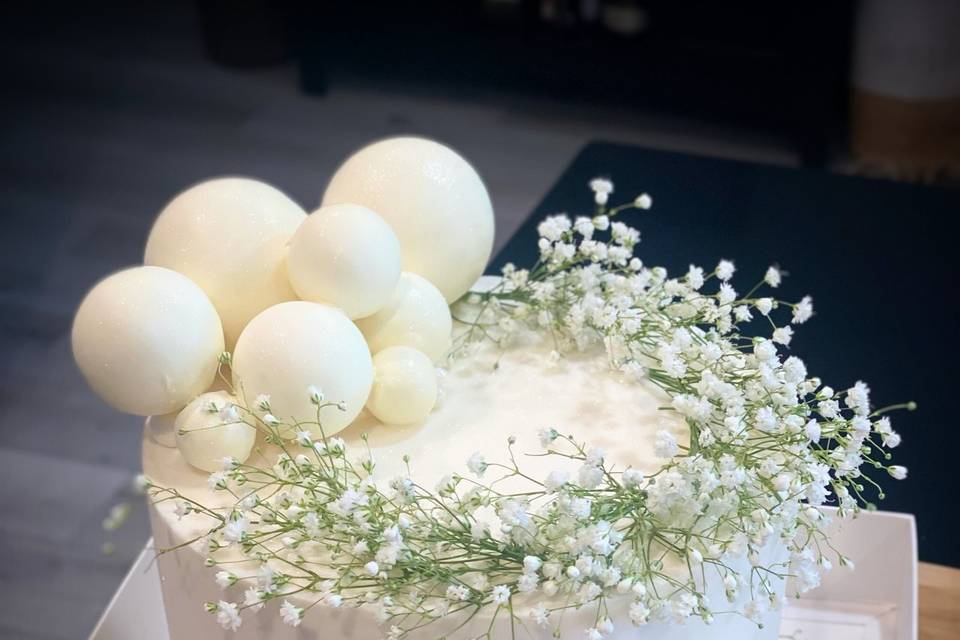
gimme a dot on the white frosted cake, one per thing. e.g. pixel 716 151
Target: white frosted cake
pixel 487 398
pixel 587 446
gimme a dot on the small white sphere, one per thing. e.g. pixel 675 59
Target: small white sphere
pixel 404 386
pixel 161 430
pixel 416 316
pixel 295 345
pixel 230 236
pixel 433 199
pixel 147 340
pixel 208 431
pixel 347 256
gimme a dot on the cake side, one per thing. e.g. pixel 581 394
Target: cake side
pixel 488 398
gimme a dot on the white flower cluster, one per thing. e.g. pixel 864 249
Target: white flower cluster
pixel 769 446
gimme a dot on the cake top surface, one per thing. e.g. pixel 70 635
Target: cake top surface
pixel 489 397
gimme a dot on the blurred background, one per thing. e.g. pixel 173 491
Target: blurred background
pixel 108 111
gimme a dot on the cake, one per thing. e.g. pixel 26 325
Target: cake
pixel 348 435
pixel 482 407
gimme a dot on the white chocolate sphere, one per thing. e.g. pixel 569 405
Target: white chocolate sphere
pixel 433 199
pixel 147 340
pixel 230 236
pixel 161 429
pixel 416 316
pixel 404 386
pixel 347 256
pixel 205 437
pixel 293 345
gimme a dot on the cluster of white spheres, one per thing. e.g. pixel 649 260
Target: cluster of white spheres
pixel 433 199
pixel 347 256
pixel 406 227
pixel 147 340
pixel 229 235
pixel 417 315
pixel 206 433
pixel 404 386
pixel 292 346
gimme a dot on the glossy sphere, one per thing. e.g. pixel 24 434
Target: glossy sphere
pixel 434 201
pixel 404 386
pixel 416 316
pixel 230 236
pixel 206 436
pixel 147 340
pixel 347 256
pixel 295 345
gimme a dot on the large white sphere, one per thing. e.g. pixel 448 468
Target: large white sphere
pixel 416 316
pixel 230 236
pixel 433 199
pixel 404 386
pixel 295 345
pixel 147 339
pixel 345 255
pixel 206 434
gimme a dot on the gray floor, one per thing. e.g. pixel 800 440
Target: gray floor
pixel 93 144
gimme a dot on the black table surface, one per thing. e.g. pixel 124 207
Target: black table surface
pixel 875 256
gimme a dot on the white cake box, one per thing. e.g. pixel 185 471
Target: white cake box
pixel 877 601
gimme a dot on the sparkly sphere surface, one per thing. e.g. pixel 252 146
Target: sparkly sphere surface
pixel 147 339
pixel 207 432
pixel 404 386
pixel 229 235
pixel 295 345
pixel 433 199
pixel 416 316
pixel 347 256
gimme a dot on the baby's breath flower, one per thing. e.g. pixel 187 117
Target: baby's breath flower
pixel 235 530
pixel 291 614
pixel 783 335
pixel 500 594
pixel 217 480
pixel 803 311
pixel 315 395
pixel 141 483
pixel 262 402
pixel 229 413
pixel 556 479
pixel 227 615
pixel 547 436
pixel 665 445
pixel 540 615
pixel 225 579
pixel 252 599
pixel 271 420
pixel 725 270
pixel 773 277
pixel 602 188
pixel 476 464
